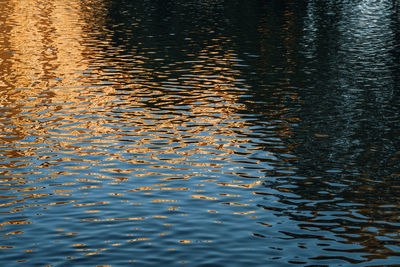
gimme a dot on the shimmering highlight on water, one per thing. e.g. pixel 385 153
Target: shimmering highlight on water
pixel 201 132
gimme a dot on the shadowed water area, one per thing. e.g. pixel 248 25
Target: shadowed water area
pixel 199 132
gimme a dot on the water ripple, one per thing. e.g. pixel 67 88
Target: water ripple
pixel 170 132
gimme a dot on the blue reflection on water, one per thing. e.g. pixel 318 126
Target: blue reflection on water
pixel 200 132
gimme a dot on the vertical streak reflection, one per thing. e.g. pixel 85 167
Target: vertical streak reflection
pixel 46 65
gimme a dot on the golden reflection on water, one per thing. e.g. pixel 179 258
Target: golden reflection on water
pixel 61 109
pixel 42 86
pixel 45 61
pixel 105 145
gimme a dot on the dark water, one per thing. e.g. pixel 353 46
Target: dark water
pixel 205 132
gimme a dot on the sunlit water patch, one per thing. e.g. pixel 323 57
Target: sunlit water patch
pixel 199 132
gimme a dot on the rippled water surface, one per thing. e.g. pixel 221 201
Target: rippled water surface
pixel 205 132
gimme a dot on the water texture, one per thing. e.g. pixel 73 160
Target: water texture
pixel 199 132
